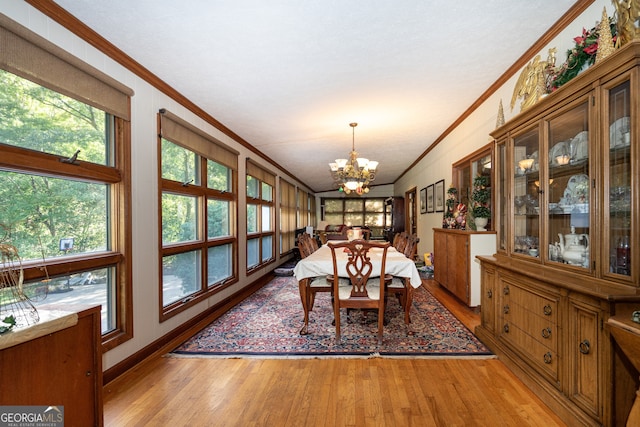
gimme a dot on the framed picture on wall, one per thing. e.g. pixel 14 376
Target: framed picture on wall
pixel 430 200
pixel 423 200
pixel 439 195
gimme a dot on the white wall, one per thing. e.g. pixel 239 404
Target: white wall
pixel 473 133
pixel 144 108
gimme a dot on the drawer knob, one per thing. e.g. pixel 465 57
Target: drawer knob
pixel 489 293
pixel 505 290
pixel 585 347
pixel 546 332
pixel 547 358
pixel 505 328
pixel 547 310
pixel 505 309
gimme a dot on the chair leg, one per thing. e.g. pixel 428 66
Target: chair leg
pixel 336 319
pixel 304 297
pixel 380 323
pixel 313 300
pixel 408 302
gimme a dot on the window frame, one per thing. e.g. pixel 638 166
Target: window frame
pixel 287 216
pixel 343 201
pixel 118 179
pixel 463 172
pixel 200 191
pixel 263 177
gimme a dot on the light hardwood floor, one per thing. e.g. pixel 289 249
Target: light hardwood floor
pixel 326 392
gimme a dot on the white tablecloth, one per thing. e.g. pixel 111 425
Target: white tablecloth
pixel 320 263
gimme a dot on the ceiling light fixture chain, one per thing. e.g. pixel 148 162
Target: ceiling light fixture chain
pixel 355 173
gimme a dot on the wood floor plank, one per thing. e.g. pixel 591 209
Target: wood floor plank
pixel 334 391
pixel 438 392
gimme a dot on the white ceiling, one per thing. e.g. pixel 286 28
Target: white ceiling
pixel 288 76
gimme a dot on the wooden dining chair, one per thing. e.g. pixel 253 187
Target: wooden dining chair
pixel 312 285
pixel 400 241
pixel 364 287
pixel 411 246
pixel 306 245
pixel 401 286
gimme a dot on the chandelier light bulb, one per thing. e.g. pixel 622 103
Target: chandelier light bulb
pixel 351 185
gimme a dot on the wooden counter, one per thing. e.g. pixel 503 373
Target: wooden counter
pixel 626 333
pixel 57 362
pixel 51 321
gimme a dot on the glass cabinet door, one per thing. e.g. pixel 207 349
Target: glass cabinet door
pixel 568 188
pixel 526 203
pixel 620 238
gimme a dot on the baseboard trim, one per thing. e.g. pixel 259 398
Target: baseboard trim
pixel 171 340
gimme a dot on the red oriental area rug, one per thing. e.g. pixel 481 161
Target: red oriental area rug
pixel 268 323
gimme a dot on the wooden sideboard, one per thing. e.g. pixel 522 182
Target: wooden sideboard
pixel 550 332
pixel 455 265
pixel 58 362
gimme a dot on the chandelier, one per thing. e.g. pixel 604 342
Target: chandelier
pixel 353 174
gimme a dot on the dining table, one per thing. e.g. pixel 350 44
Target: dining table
pixel 320 264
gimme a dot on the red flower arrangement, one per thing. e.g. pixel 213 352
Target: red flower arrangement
pixel 581 56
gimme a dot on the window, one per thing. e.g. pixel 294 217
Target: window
pixel 367 212
pixel 198 210
pixel 312 210
pixel 306 209
pixel 260 208
pixel 287 216
pixel 297 210
pixel 465 170
pixel 64 182
pixel 303 209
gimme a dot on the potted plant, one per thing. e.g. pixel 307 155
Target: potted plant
pixel 480 199
pixel 449 221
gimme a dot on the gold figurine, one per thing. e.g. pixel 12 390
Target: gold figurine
pixel 531 84
pixel 628 12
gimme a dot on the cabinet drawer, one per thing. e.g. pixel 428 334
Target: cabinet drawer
pixel 542 358
pixel 535 302
pixel 539 328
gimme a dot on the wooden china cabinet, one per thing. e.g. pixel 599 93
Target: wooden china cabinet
pixel 568 222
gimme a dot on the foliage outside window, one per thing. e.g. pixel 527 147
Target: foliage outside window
pixel 197 226
pixel 368 212
pixel 60 192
